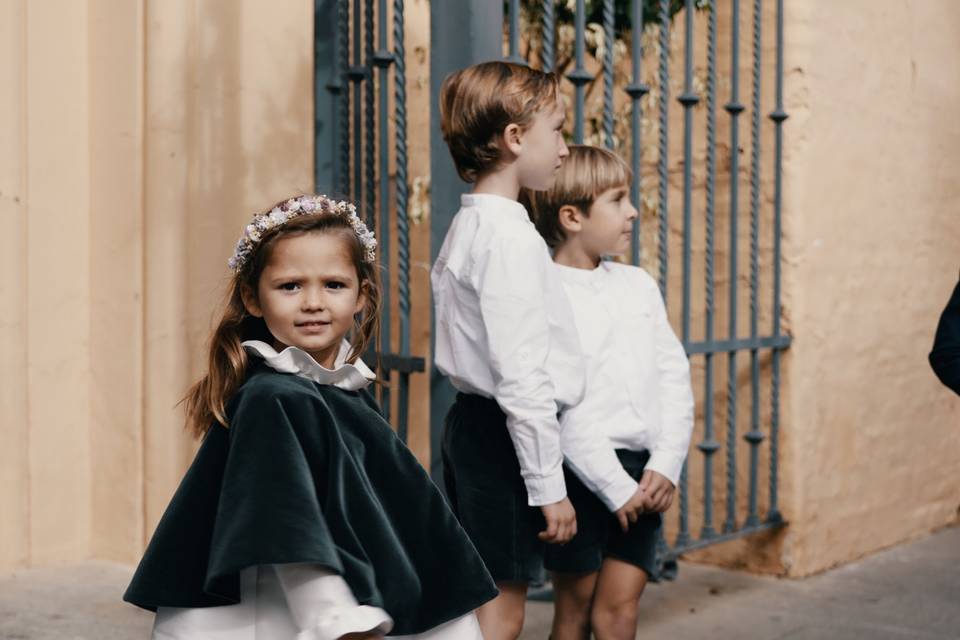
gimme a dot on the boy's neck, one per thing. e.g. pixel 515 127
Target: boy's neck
pixel 571 254
pixel 502 183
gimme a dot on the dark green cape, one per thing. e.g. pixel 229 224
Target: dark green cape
pixel 311 473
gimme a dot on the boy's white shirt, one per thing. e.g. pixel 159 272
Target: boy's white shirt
pixel 297 601
pixel 504 330
pixel 638 393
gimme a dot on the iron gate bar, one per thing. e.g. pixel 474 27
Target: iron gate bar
pixel 636 90
pixel 369 125
pixel 754 436
pixel 739 344
pixel 514 12
pixel 664 79
pixel 382 58
pixel 579 76
pixel 671 554
pixel 342 183
pixel 549 24
pixel 778 116
pixel 403 229
pixel 334 86
pixel 608 42
pixel 688 99
pixel 734 108
pixel 357 75
pixel 709 446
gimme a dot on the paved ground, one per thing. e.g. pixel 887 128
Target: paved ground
pixel 911 592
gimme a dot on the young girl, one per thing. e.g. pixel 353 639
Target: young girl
pixel 636 416
pixel 303 515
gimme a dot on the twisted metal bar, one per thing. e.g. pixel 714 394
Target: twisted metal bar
pixel 754 436
pixel 608 42
pixel 549 27
pixel 664 80
pixel 709 446
pixel 778 116
pixel 403 230
pixel 734 109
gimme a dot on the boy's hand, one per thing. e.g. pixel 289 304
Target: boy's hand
pixel 561 522
pixel 631 510
pixel 658 491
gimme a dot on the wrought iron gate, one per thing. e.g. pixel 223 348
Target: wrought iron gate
pixel 353 77
pixel 354 137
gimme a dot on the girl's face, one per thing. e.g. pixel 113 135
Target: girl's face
pixel 606 231
pixel 308 294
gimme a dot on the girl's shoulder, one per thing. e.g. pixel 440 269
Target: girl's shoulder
pixel 265 383
pixel 267 392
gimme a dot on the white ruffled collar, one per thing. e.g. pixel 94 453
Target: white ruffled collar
pixel 298 362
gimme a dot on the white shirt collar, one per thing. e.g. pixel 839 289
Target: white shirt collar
pixel 297 361
pixel 576 275
pixel 489 201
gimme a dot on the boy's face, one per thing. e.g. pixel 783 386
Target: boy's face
pixel 542 149
pixel 606 231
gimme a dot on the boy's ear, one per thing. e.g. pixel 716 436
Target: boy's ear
pixel 571 218
pixel 250 301
pixel 513 138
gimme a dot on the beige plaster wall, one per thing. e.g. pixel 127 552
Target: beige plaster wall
pixel 873 250
pixel 137 138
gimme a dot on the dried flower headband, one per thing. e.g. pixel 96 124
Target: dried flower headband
pixel 294 208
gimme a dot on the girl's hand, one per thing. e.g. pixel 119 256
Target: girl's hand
pixel 658 491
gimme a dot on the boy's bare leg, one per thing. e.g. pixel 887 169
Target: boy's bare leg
pixel 502 617
pixel 572 595
pixel 614 612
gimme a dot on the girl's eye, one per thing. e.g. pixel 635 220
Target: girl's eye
pixel 335 285
pixel 290 286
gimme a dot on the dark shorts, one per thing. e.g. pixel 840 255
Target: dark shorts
pixel 599 534
pixel 482 478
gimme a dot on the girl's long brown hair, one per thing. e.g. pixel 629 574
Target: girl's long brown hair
pixel 207 399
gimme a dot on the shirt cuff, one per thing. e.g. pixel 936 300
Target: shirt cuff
pixel 544 490
pixel 621 489
pixel 339 621
pixel 666 464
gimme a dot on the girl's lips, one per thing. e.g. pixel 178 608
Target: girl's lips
pixel 312 325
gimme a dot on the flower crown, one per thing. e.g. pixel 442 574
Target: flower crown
pixel 294 208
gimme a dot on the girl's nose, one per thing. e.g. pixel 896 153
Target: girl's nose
pixel 312 301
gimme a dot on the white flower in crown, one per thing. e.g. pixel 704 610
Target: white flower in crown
pixel 294 208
